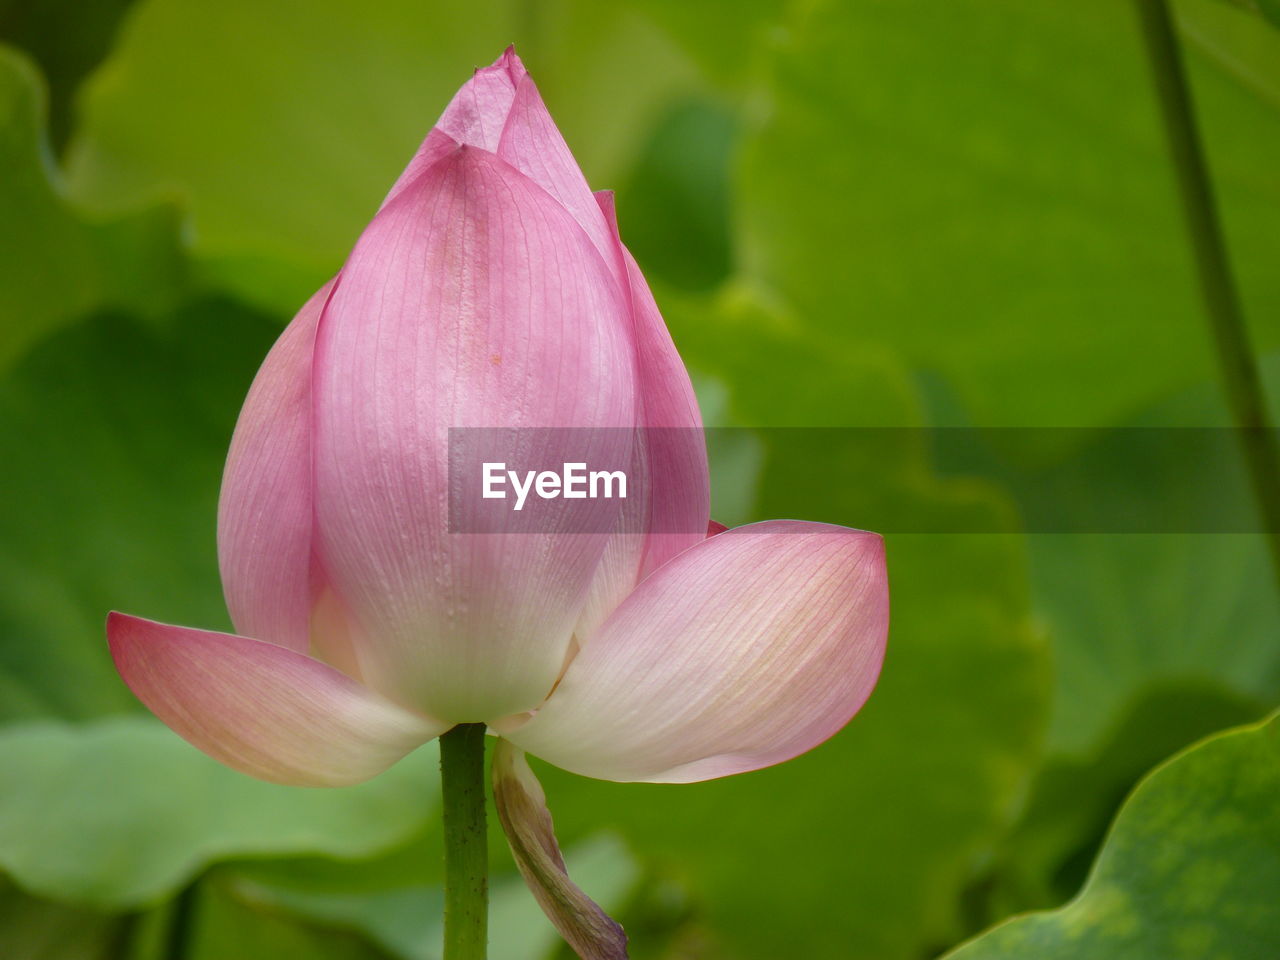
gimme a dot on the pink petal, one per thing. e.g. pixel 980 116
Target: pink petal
pixel 522 808
pixel 680 504
pixel 744 651
pixel 472 300
pixel 714 527
pixel 532 143
pixel 436 147
pixel 261 708
pixel 264 512
pixel 672 487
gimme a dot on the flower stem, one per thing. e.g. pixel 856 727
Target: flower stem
pixel 181 923
pixel 122 944
pixel 466 856
pixel 1236 359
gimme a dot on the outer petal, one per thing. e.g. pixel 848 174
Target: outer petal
pixel 261 708
pixel 744 651
pixel 532 143
pixel 673 501
pixel 264 512
pixel 472 300
pixel 436 147
pixel 680 485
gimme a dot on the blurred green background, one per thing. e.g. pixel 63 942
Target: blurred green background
pixel 858 213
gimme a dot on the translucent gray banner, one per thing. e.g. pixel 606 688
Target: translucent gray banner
pixel 1054 480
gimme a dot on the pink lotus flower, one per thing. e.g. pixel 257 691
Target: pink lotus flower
pixel 491 289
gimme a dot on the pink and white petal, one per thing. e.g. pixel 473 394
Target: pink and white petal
pixel 618 571
pixel 265 508
pixel 745 650
pixel 671 502
pixel 261 708
pixel 472 300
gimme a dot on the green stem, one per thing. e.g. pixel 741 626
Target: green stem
pixel 466 856
pixel 181 923
pixel 121 944
pixel 1236 359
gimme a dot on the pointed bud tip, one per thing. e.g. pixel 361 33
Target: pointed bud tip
pixel 509 61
